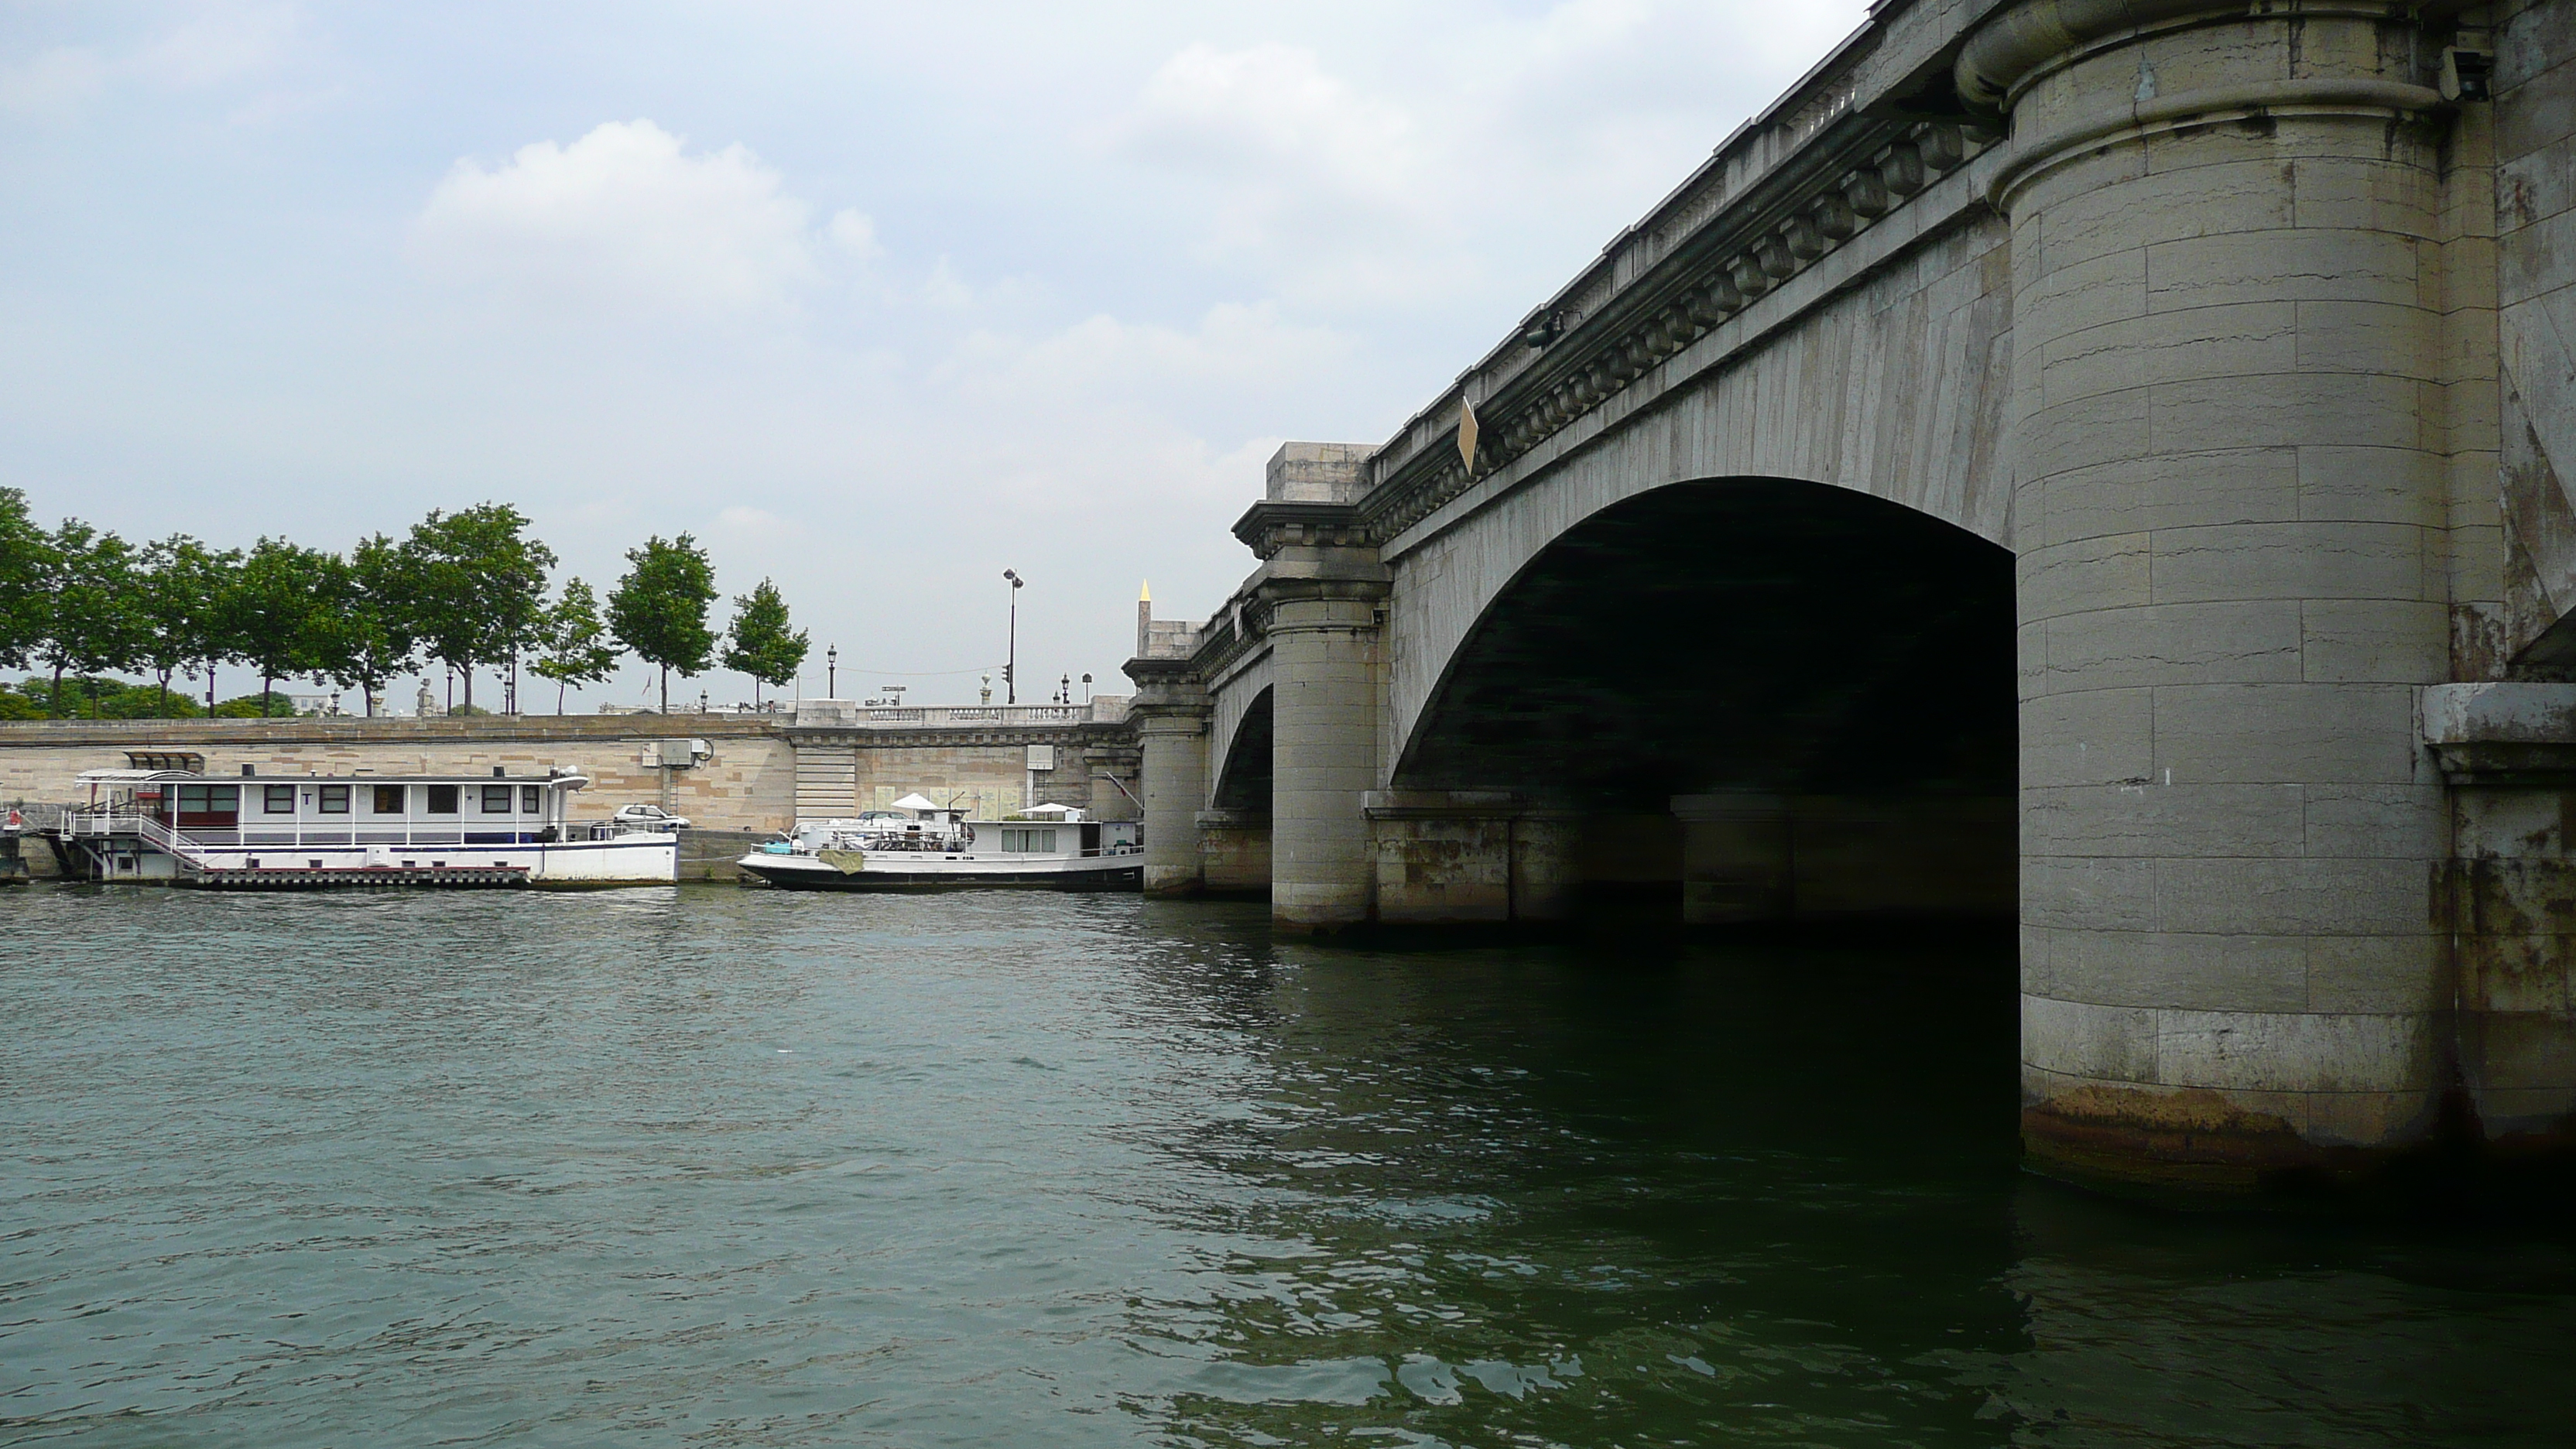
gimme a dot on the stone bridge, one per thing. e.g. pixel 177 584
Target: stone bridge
pixel 2096 462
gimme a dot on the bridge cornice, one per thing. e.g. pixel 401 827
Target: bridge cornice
pixel 1868 131
pixel 2024 42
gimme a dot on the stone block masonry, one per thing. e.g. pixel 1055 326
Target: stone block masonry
pixel 2052 462
pixel 759 777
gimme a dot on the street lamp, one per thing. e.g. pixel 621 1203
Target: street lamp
pixel 1086 689
pixel 832 672
pixel 702 701
pixel 1011 669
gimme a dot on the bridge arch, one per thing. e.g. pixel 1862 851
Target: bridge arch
pixel 1244 772
pixel 1759 652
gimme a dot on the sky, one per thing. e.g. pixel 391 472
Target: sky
pixel 875 300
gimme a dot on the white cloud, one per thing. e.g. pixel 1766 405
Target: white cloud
pixel 854 233
pixel 219 43
pixel 755 524
pixel 624 215
pixel 1425 182
pixel 1312 179
pixel 216 44
pixel 52 80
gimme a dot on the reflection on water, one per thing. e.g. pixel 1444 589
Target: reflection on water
pixel 754 1168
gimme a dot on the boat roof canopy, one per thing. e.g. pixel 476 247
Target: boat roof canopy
pixel 914 802
pixel 187 760
pixel 132 777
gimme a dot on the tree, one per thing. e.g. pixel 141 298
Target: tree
pixel 760 645
pixel 575 643
pixel 23 570
pixel 276 609
pixel 92 618
pixel 178 586
pixel 660 608
pixel 217 639
pixel 475 586
pixel 365 635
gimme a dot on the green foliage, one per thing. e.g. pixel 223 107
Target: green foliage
pixel 474 586
pixel 575 643
pixel 761 644
pixel 23 551
pixel 179 588
pixel 109 697
pixel 660 608
pixel 275 610
pixel 86 589
pixel 364 637
pixel 266 704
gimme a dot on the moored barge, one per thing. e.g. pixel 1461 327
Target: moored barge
pixel 309 832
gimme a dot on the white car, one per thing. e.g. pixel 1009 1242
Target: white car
pixel 648 817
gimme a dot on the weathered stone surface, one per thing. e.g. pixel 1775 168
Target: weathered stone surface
pixel 2250 348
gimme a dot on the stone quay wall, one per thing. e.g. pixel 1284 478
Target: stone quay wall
pixel 759 775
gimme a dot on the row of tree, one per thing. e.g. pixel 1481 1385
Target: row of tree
pixel 467 589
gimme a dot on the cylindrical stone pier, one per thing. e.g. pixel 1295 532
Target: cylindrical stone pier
pixel 2230 524
pixel 1324 641
pixel 1171 712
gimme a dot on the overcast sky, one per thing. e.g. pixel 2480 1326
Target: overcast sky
pixel 875 299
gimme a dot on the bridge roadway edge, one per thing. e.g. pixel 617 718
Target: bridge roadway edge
pixel 2245 392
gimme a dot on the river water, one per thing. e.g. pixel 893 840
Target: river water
pixel 710 1166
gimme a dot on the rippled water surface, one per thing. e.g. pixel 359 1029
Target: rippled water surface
pixel 730 1167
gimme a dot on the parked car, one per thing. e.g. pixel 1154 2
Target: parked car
pixel 648 817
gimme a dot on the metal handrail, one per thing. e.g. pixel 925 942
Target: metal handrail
pixel 169 842
pixel 189 845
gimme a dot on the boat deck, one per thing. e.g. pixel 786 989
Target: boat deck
pixel 387 877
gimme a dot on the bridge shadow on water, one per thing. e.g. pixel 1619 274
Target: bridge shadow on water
pixel 1766 1190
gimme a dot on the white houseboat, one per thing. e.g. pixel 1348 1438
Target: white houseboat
pixel 299 832
pixel 1051 847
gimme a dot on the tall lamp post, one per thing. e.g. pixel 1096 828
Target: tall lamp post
pixel 1011 669
pixel 832 672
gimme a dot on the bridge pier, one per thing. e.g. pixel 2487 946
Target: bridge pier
pixel 1471 857
pixel 2231 333
pixel 1737 861
pixel 1234 852
pixel 1323 636
pixel 1171 712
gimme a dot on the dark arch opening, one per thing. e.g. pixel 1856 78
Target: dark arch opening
pixel 1244 782
pixel 1795 667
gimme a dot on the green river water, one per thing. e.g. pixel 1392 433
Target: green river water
pixel 724 1167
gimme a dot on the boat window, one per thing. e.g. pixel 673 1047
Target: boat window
pixel 335 799
pixel 196 799
pixel 496 799
pixel 278 799
pixel 389 799
pixel 1028 840
pixel 530 800
pixel 442 799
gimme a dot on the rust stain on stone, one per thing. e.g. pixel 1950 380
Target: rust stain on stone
pixel 2187 1140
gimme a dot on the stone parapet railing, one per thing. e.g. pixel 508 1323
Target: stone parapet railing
pixel 828 714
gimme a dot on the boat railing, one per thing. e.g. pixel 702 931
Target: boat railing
pixel 169 842
pixel 189 844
